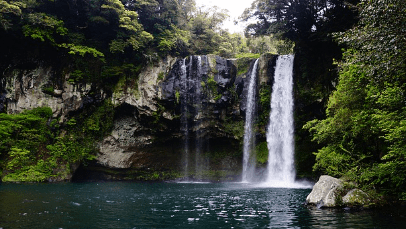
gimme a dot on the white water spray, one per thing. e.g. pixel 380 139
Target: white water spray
pixel 248 162
pixel 281 171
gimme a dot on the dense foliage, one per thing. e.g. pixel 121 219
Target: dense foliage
pixel 93 38
pixel 361 133
pixel 356 115
pixel 309 24
pixel 97 42
pixel 35 147
pixel 364 132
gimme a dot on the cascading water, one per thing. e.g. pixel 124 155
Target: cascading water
pixel 281 172
pixel 199 163
pixel 249 140
pixel 184 117
pixel 191 107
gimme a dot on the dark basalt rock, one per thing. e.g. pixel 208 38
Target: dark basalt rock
pixel 226 72
pixel 172 81
pixel 147 131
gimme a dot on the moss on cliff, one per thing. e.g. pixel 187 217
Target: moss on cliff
pixel 264 107
pixel 234 128
pixel 243 65
pixel 262 152
pixel 35 148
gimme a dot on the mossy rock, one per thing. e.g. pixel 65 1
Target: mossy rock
pixel 262 153
pixel 356 197
pixel 243 65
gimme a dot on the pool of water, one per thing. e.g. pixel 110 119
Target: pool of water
pixel 173 205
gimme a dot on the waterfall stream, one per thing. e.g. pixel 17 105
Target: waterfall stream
pixel 281 172
pixel 199 163
pixel 280 168
pixel 184 118
pixel 191 115
pixel 249 139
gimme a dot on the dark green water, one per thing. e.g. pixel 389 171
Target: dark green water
pixel 172 205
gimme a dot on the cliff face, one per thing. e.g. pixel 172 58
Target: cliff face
pixel 177 117
pixel 21 90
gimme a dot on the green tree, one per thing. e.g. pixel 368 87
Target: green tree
pixel 309 25
pixel 129 30
pixel 8 11
pixel 362 134
pixel 206 31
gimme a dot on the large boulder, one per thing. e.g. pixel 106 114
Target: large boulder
pixel 324 193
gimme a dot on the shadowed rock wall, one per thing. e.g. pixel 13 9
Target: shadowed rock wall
pixel 146 137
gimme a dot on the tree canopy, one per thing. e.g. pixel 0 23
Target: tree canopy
pixel 91 37
pixel 356 117
pixel 298 19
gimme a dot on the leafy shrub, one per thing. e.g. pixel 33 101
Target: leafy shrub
pixel 32 151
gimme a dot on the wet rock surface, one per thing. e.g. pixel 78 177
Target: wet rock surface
pixel 324 192
pixel 330 192
pixel 28 89
pixel 356 197
pixel 147 131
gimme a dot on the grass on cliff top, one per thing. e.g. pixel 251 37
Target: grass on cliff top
pixel 244 62
pixel 248 55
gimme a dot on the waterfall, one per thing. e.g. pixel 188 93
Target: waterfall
pixel 191 108
pixel 184 117
pixel 281 172
pixel 249 139
pixel 199 163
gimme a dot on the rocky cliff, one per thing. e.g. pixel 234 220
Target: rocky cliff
pixel 179 117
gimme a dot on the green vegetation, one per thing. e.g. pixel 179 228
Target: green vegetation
pixel 212 87
pixel 48 89
pixel 96 41
pixel 155 176
pixel 304 27
pixel 140 175
pixel 262 152
pixel 235 128
pixel 217 154
pixel 355 116
pixel 157 115
pixel 23 140
pixel 33 148
pixel 264 106
pixel 161 75
pixel 248 55
pixel 177 96
pixel 362 137
pixel 244 63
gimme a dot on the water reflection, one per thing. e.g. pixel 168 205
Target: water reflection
pixel 339 218
pixel 171 205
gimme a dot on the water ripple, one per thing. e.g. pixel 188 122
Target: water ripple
pixel 170 205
